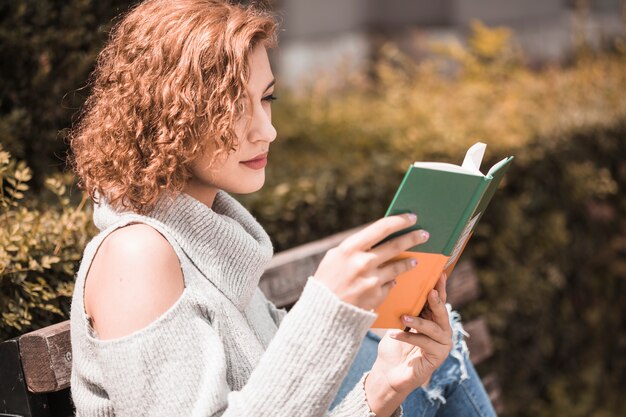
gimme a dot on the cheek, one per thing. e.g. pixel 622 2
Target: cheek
pixel 230 170
pixel 239 127
pixel 207 168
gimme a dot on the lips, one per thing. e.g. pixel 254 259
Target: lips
pixel 258 162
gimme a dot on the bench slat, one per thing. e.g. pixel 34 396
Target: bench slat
pixel 15 398
pixel 47 358
pixel 463 286
pixel 492 386
pixel 285 277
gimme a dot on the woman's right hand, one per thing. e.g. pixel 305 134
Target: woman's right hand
pixel 363 276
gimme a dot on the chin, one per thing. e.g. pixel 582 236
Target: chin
pixel 248 188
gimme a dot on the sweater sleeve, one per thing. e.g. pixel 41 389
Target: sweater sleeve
pixel 355 403
pixel 181 369
pixel 176 366
pixel 278 314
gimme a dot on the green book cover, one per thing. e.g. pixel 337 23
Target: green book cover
pixel 448 199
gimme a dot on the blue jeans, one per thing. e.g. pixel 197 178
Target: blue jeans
pixel 455 390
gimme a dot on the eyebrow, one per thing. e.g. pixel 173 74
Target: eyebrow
pixel 270 84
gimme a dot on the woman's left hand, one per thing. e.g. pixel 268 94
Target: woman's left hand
pixel 406 360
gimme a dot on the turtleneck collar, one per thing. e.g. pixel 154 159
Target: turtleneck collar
pixel 224 242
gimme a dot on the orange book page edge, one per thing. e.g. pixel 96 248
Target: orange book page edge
pixel 420 280
pixel 411 291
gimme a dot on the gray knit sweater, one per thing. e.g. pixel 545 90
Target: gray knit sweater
pixel 219 350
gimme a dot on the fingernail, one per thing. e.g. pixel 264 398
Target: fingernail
pixel 436 295
pixel 412 217
pixel 425 235
pixel 408 319
pixel 413 262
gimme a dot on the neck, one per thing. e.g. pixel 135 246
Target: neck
pixel 201 192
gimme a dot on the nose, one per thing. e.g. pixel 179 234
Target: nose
pixel 261 128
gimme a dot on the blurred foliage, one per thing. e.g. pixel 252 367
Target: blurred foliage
pixel 41 243
pixel 47 50
pixel 550 249
pixel 334 143
pixel 552 258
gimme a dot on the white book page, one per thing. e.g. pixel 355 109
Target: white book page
pixel 474 157
pixel 470 166
pixel 497 166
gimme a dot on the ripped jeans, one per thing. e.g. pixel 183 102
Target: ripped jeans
pixel 454 388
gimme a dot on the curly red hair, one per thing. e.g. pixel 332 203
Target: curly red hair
pixel 172 74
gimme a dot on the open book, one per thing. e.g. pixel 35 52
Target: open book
pixel 449 200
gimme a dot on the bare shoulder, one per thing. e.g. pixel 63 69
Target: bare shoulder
pixel 133 279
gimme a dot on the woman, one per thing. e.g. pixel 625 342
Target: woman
pixel 167 317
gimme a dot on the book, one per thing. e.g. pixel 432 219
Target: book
pixel 449 201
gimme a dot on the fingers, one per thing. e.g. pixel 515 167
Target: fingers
pixel 429 328
pixel 364 239
pixel 422 341
pixel 426 313
pixel 393 247
pixel 433 352
pixel 443 295
pixel 433 321
pixel 391 270
pixel 441 287
pixel 386 287
pixel 439 311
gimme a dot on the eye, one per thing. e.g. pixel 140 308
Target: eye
pixel 270 98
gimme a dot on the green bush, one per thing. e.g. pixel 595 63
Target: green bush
pixel 551 248
pixel 551 254
pixel 47 50
pixel 40 245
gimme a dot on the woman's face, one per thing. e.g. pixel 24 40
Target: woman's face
pixel 243 170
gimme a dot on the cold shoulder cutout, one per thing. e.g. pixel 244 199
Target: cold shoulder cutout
pixel 222 349
pixel 135 276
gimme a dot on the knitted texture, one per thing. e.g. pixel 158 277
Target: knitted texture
pixel 222 349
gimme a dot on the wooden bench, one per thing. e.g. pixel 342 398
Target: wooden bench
pixel 35 368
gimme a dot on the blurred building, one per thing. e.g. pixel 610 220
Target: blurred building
pixel 319 35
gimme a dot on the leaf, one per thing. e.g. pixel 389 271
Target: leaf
pixel 4 157
pixel 15 194
pixel 33 264
pixel 52 308
pixel 65 289
pixel 47 261
pixel 23 173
